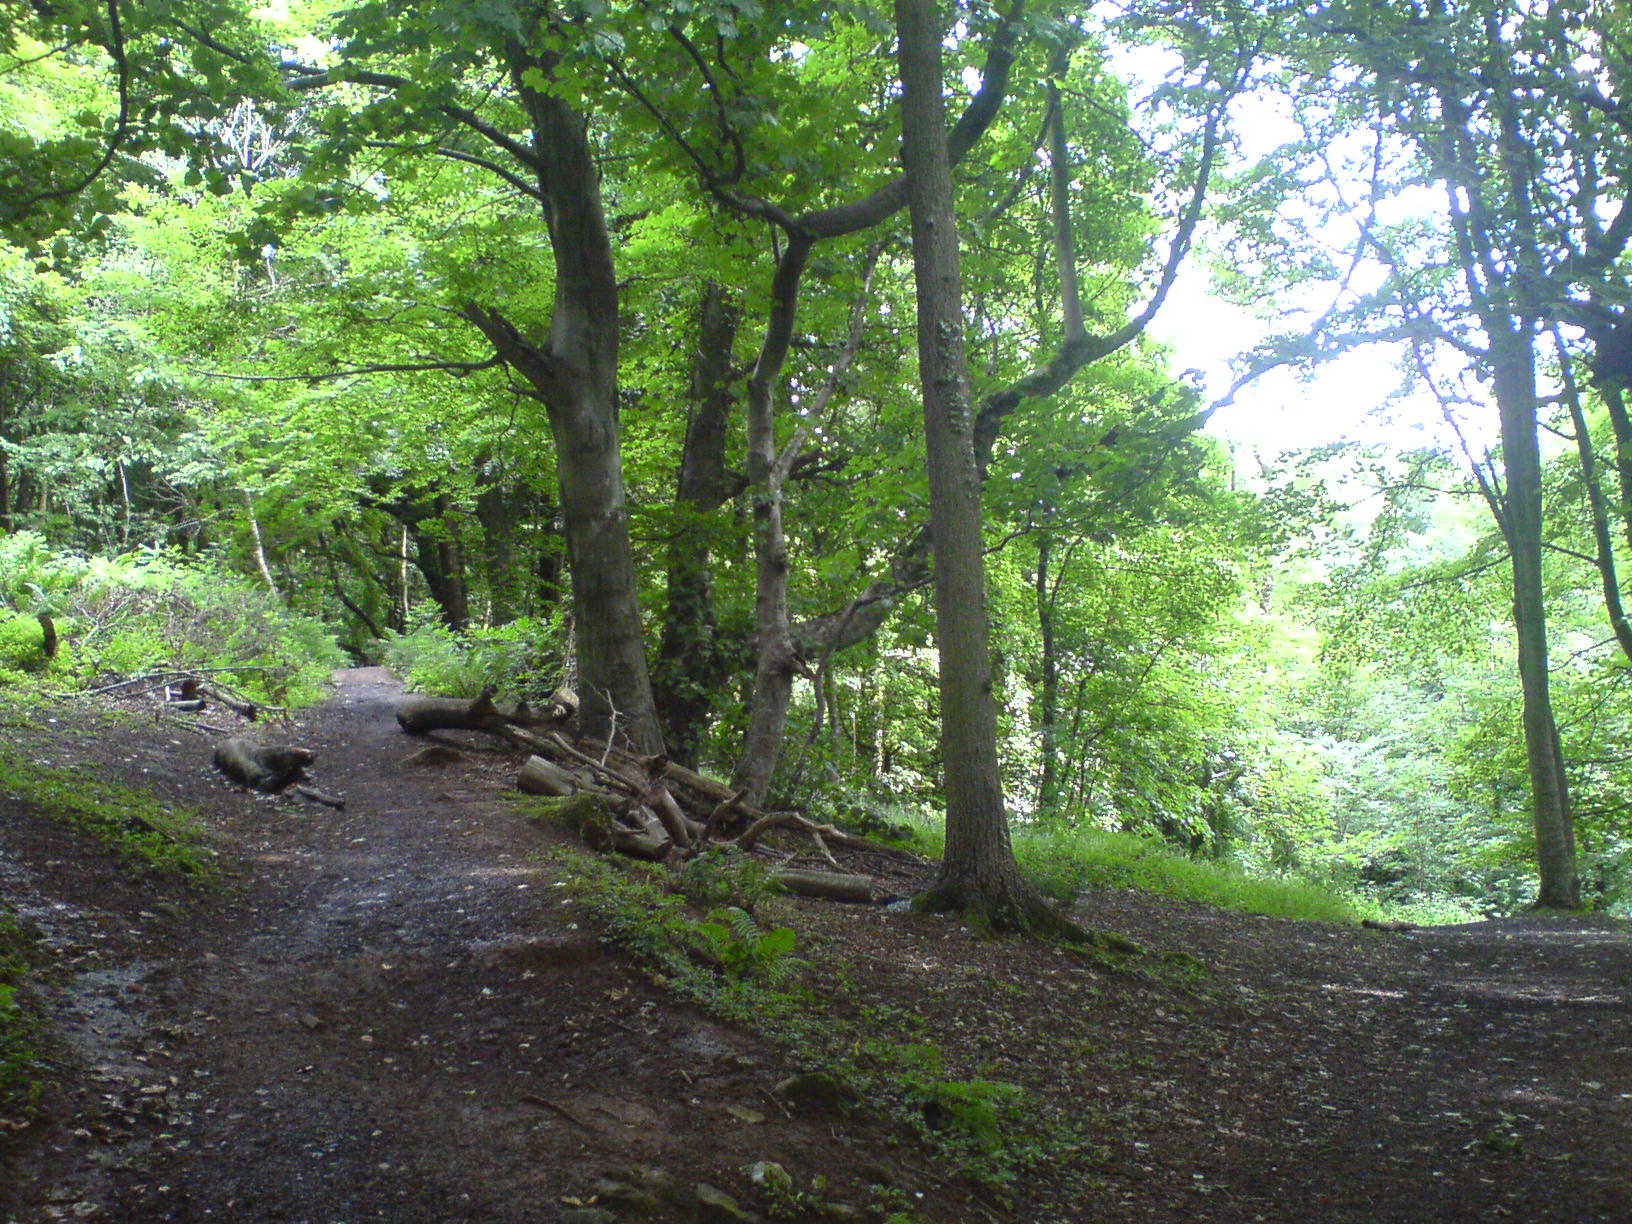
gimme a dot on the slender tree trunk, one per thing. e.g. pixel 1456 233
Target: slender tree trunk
pixel 1603 537
pixel 1048 781
pixel 691 662
pixel 1621 430
pixel 497 509
pixel 776 662
pixel 1514 368
pixel 258 545
pixel 978 873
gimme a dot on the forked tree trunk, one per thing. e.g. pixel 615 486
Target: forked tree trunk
pixel 978 872
pixel 574 373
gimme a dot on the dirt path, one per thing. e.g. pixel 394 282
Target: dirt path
pixel 385 1020
pixel 390 1016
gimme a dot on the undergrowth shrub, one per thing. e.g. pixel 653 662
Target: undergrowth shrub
pixel 1065 861
pixel 123 615
pixel 521 660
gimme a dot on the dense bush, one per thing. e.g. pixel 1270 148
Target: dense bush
pixel 123 615
pixel 521 660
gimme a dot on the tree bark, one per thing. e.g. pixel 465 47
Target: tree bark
pixel 1513 364
pixel 978 873
pixel 574 373
pixel 692 663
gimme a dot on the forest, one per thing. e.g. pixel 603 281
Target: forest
pixel 784 380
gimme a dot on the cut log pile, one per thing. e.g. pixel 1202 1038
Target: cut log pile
pixel 186 690
pixel 646 807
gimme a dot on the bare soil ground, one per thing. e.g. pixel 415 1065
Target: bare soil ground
pixel 391 1013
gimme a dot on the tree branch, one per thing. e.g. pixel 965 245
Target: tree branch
pixel 121 128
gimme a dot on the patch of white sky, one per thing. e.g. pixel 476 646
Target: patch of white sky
pixel 1370 395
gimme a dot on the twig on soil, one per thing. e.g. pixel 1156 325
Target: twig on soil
pixel 546 1103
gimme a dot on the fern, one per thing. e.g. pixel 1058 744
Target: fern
pixel 734 939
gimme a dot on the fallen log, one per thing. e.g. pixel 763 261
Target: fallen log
pixel 589 816
pixel 244 709
pixel 262 767
pixel 540 776
pixel 828 885
pixel 421 715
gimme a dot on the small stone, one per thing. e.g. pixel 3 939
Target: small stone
pixel 768 1175
pixel 643 1188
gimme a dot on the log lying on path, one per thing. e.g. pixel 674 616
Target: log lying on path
pixel 828 885
pixel 422 715
pixel 271 768
pixel 263 767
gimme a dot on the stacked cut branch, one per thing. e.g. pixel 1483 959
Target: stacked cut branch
pixel 647 807
pixel 188 690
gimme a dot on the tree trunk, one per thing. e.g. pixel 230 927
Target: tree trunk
pixel 691 662
pixel 776 661
pixel 1603 539
pixel 978 873
pixel 1048 778
pixel 498 507
pixel 574 373
pixel 1513 363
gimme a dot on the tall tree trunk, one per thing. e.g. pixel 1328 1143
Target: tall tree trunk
pixel 978 873
pixel 574 373
pixel 691 662
pixel 498 507
pixel 1048 780
pixel 1513 364
pixel 776 661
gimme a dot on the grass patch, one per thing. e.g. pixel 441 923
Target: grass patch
pixel 19 1028
pixel 737 964
pixel 1065 861
pixel 138 825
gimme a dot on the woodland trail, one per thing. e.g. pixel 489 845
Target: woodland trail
pixel 391 1015
pixel 385 1021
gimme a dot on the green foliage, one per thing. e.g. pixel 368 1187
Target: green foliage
pixel 727 962
pixel 1064 861
pixel 123 615
pixel 19 1028
pixel 981 1108
pixel 724 877
pixel 22 642
pixel 744 950
pixel 522 659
